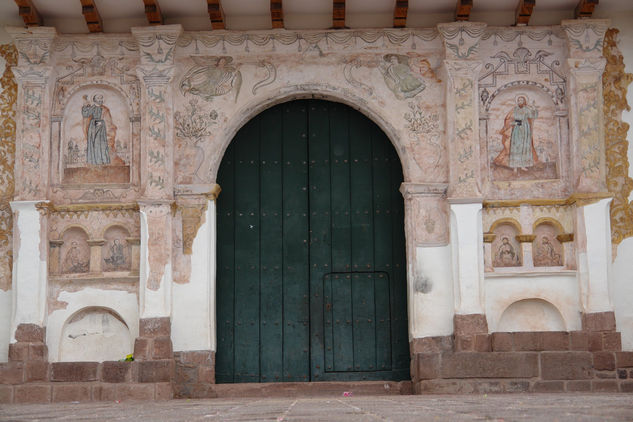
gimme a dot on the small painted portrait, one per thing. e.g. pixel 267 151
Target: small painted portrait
pixel 546 255
pixel 399 78
pixel 211 77
pixel 506 256
pixel 75 260
pixel 517 136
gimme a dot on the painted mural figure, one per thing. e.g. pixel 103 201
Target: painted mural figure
pixel 506 256
pixel 517 137
pixel 211 78
pixel 399 78
pixel 74 261
pixel 546 255
pixel 99 131
pixel 117 255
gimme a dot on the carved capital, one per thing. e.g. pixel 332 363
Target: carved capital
pixel 38 75
pixel 489 237
pixel 463 68
pixel 210 191
pixel 96 242
pixel 461 39
pixel 133 241
pixel 155 74
pixel 157 44
pixel 525 238
pixel 192 209
pixel 587 68
pixel 565 237
pixel 156 208
pixel 34 44
pixel 585 36
pixel 410 190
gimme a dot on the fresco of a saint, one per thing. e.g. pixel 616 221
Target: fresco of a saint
pixel 399 78
pixel 517 137
pixel 99 130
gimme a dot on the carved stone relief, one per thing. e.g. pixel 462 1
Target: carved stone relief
pixel 505 247
pixel 547 250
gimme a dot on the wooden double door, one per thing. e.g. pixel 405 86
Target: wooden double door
pixel 311 278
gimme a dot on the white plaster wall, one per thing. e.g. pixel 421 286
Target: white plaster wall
pixel 123 303
pixel 431 311
pixel 193 318
pixel 561 290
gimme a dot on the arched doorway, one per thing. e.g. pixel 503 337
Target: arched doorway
pixel 311 278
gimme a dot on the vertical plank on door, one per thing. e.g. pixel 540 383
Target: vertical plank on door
pixel 225 268
pixel 247 244
pixel 296 294
pixel 271 257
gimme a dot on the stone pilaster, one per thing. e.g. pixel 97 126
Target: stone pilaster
pixel 462 66
pixel 157 46
pixel 33 75
pixel 585 66
pixel 30 254
pixel 428 281
pixel 461 44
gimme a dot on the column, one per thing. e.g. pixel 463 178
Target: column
pixel 585 66
pixel 135 255
pixel 96 246
pixel 30 245
pixel 461 44
pixel 193 320
pixel 156 48
pixel 429 285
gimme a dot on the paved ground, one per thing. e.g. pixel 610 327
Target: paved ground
pixel 511 407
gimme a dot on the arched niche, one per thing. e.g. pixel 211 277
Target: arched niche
pixel 531 315
pixel 95 334
pixel 506 250
pixel 75 252
pixel 96 134
pixel 547 250
pixel 116 253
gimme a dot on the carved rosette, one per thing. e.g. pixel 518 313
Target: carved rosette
pixel 8 99
pixel 615 82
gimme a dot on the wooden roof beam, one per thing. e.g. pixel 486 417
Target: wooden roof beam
pixel 153 13
pixel 524 12
pixel 584 9
pixel 29 13
pixel 216 14
pixel 462 10
pixel 338 14
pixel 277 13
pixel 92 16
pixel 400 13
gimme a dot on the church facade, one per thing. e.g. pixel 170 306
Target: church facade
pixel 437 205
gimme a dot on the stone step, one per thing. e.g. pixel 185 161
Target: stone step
pixel 314 389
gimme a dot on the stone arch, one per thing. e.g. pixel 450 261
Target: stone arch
pixel 95 334
pixel 533 314
pixel 305 91
pixel 116 87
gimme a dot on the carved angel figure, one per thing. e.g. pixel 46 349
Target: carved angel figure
pixel 211 77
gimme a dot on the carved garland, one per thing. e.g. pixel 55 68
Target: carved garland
pixel 615 83
pixel 8 99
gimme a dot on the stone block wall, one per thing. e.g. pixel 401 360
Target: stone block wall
pixel 504 362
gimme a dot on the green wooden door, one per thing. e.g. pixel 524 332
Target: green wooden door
pixel 311 281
